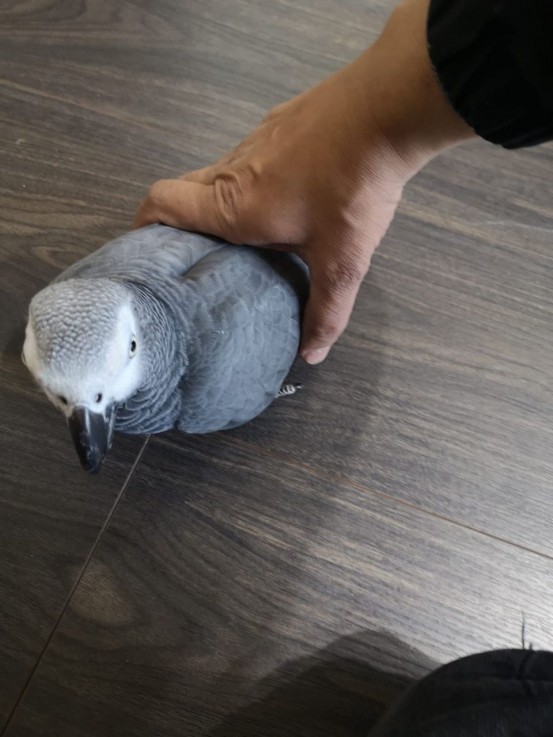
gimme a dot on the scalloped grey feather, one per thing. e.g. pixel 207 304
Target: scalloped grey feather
pixel 222 325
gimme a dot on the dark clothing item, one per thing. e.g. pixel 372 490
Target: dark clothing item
pixel 505 693
pixel 494 59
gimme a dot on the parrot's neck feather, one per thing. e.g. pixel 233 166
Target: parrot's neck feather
pixel 163 349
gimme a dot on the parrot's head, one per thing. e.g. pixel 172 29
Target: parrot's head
pixel 82 346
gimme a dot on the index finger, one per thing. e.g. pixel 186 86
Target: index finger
pixel 181 204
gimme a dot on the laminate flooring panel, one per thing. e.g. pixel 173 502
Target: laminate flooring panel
pixel 431 416
pixel 237 595
pixel 50 514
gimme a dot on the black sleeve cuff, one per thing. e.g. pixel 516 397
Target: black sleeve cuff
pixel 494 60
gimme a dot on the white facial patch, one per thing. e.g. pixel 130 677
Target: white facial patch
pixel 78 344
pixel 121 369
pixel 30 352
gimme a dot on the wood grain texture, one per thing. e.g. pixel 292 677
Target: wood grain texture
pixel 440 392
pixel 51 514
pixel 291 576
pixel 50 518
pixel 235 597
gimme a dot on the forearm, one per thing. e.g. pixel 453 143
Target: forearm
pixel 412 106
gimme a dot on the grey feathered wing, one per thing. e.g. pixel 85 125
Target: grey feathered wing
pixel 246 335
pixel 156 252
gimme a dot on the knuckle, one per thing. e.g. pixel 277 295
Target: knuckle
pixel 336 287
pixel 154 191
pixel 343 275
pixel 150 207
pixel 227 199
pixel 231 196
pixel 324 333
pixel 155 198
pixel 274 113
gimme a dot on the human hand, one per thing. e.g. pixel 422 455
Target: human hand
pixel 323 173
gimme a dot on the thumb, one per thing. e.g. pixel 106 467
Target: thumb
pixel 182 204
pixel 328 309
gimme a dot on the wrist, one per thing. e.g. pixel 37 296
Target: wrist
pixel 413 114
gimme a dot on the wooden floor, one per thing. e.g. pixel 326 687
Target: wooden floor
pixel 292 576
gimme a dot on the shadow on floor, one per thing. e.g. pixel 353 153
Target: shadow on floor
pixel 340 691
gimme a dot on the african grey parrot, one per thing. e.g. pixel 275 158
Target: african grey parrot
pixel 161 328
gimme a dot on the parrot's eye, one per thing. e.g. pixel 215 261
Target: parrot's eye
pixel 133 347
pixel 63 400
pixel 98 398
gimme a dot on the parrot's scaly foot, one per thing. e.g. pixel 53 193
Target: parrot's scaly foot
pixel 286 390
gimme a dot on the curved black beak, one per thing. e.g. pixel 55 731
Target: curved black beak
pixel 92 433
